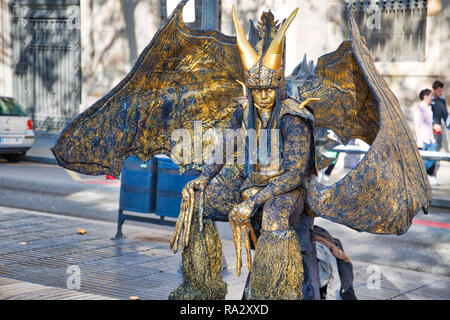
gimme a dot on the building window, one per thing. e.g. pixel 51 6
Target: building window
pixel 394 29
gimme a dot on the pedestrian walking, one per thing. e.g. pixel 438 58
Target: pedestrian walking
pixel 324 174
pixel 423 127
pixel 441 120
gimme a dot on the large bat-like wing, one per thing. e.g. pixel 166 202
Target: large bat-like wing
pixel 182 76
pixel 390 185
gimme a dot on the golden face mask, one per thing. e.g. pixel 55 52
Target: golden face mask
pixel 266 69
pixel 264 98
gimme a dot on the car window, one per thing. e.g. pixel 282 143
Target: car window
pixel 10 107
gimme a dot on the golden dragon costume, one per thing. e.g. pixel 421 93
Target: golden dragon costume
pixel 187 75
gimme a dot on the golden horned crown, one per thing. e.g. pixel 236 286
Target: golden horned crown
pixel 263 69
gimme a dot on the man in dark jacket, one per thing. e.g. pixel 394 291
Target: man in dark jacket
pixel 440 113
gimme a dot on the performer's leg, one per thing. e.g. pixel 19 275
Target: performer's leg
pixel 202 258
pixel 277 266
pixel 202 265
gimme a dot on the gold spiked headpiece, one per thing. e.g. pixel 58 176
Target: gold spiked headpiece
pixel 265 68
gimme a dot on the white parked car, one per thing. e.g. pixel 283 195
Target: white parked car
pixel 16 130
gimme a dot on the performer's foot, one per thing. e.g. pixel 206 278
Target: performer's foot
pixel 277 267
pixel 202 266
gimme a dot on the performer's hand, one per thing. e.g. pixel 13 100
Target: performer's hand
pixel 239 219
pixel 242 212
pixel 186 212
pixel 196 184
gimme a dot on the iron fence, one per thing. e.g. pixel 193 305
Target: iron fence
pixel 47 60
pixel 394 29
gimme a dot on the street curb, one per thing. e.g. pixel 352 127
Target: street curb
pixel 441 203
pixel 43 160
pixel 44 187
pixel 47 134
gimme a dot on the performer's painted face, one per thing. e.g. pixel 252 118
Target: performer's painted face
pixel 264 98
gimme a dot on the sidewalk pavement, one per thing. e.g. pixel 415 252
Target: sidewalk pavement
pixel 39 248
pixel 42 255
pixel 40 152
pixel 12 289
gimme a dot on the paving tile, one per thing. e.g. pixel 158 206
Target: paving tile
pixel 435 290
pixel 12 289
pixel 412 296
pixel 165 264
pixel 21 290
pixel 39 294
pixel 365 293
pixel 5 281
pixel 15 216
pixel 403 284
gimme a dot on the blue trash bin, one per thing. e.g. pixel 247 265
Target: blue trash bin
pixel 137 190
pixel 138 186
pixel 153 187
pixel 169 186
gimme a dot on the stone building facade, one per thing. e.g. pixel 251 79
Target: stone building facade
pixel 101 40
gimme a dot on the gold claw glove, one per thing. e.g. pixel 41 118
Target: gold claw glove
pixel 239 219
pixel 193 187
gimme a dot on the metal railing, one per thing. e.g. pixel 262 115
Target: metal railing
pixel 426 155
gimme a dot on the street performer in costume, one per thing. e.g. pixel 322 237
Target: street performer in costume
pixel 184 76
pixel 277 189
